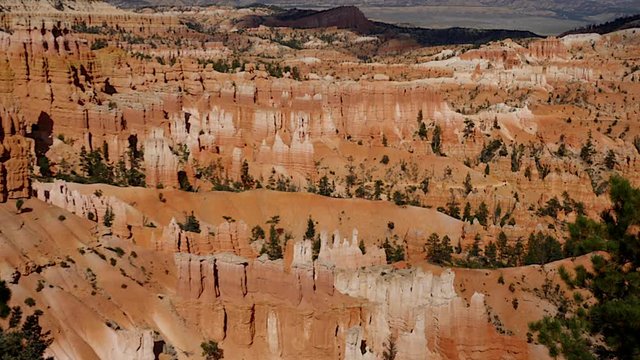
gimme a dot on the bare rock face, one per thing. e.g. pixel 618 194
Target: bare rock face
pixel 70 91
pixel 160 163
pixel 232 237
pixel 94 207
pixel 421 309
pixel 15 156
pixel 346 254
pixel 200 101
pixel 548 48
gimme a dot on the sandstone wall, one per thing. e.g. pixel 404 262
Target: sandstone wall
pixel 292 315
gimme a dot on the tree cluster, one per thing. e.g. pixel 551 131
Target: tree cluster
pixel 614 284
pixel 21 340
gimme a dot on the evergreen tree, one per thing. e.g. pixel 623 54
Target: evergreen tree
pixel 19 204
pixel 94 167
pixel 422 127
pixel 446 250
pixel 273 246
pixel 257 233
pixel 585 236
pixel 191 224
pixel 610 160
pixel 45 167
pixel 466 214
pixel 612 315
pixel 503 247
pixel 482 214
pixel 377 189
pixel 424 185
pixel 588 150
pixel 497 213
pixel 211 350
pixel 469 128
pixel 459 247
pixel 439 251
pixel 109 216
pixel 468 188
pixel 475 250
pixel 517 256
pixel 316 248
pixel 542 249
pixel 21 342
pixel 453 207
pixel 436 142
pixel 490 253
pixel 422 131
pixel 394 252
pixel 390 350
pixel 311 229
pixel 246 179
pixel 562 150
pixel 516 157
pixel 325 188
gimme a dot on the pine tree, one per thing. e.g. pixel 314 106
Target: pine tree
pixel 109 216
pixel 19 204
pixel 446 250
pixel 482 213
pixel 490 253
pixel 453 207
pixel 562 150
pixel 475 250
pixel 245 178
pixel 588 150
pixel 324 186
pixel 390 350
pixel 21 342
pixel 466 215
pixel 211 350
pixel 610 160
pixel 502 246
pixel 468 188
pixel 518 253
pixel 191 224
pixel 422 131
pixel 436 142
pixel 274 248
pixel 459 247
pixel 469 128
pixel 311 229
pixel 542 249
pixel 432 245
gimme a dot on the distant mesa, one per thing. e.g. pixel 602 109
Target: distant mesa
pixel 618 24
pixel 343 17
pixel 352 18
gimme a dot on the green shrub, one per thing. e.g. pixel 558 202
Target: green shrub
pixel 191 224
pixel 109 216
pixel 211 350
pixel 99 44
pixel 394 252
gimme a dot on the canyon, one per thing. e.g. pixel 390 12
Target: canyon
pixel 193 174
